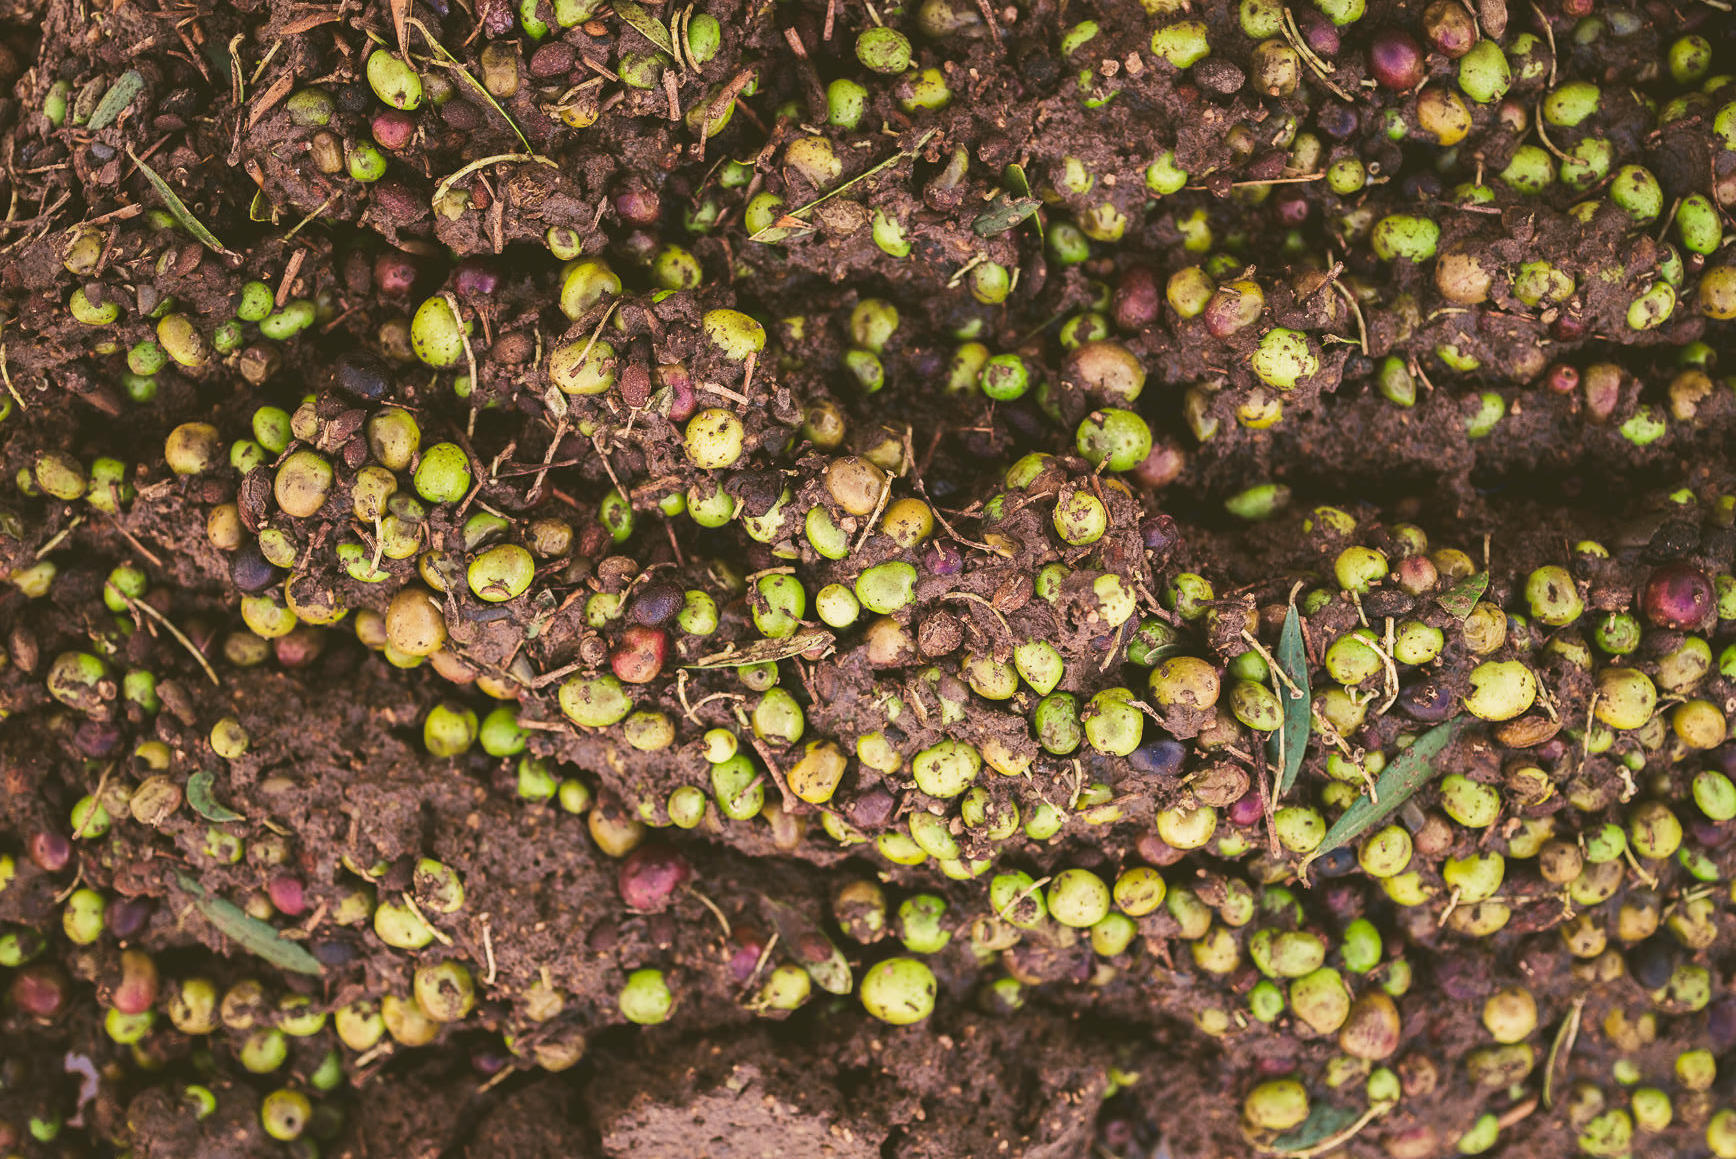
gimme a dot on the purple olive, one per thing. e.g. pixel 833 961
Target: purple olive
pixel 393 129
pixel 1678 595
pixel 1320 33
pixel 872 810
pixel 656 604
pixel 126 917
pixel 639 206
pixel 394 274
pixel 1721 1025
pixel 1138 298
pixel 1247 809
pixel 251 571
pixel 651 877
pixel 96 738
pixel 40 990
pixel 476 278
pixel 1158 758
pixel 1428 701
pixel 1396 59
pixel 50 851
pixel 362 376
pixel 942 559
pixel 1159 534
pixel 287 894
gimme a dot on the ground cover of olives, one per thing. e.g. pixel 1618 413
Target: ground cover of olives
pixel 836 578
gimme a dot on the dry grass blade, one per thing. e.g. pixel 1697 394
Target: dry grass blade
pixel 178 209
pixel 1562 1048
pixel 180 636
pixel 902 155
pixel 446 60
pixel 451 179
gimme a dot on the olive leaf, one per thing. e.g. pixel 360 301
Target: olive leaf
pixel 1287 746
pixel 115 101
pixel 1462 597
pixel 253 935
pixel 809 945
pixel 764 651
pixel 1006 214
pixel 1324 1121
pixel 645 24
pixel 204 803
pixel 1016 181
pixel 178 209
pixel 1410 771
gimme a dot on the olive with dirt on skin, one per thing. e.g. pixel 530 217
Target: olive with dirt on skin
pixel 899 991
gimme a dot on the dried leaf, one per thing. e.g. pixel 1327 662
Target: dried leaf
pixel 1292 657
pixel 1463 597
pixel 1410 771
pixel 200 796
pixel 178 208
pixel 116 101
pixel 253 935
pixel 809 945
pixel 1006 214
pixel 764 651
pixel 1562 1048
pixel 1324 1121
pixel 644 23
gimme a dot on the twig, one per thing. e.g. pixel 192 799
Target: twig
pixel 879 506
pixel 712 906
pixel 134 540
pixel 58 538
pixel 6 376
pixel 439 934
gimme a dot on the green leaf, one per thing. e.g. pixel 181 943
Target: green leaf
pixel 1015 179
pixel 1007 213
pixel 1289 744
pixel 253 935
pixel 178 208
pixel 645 24
pixel 115 102
pixel 199 795
pixel 1463 597
pixel 1324 1121
pixel 1410 771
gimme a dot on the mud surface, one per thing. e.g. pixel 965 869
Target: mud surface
pixel 349 810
